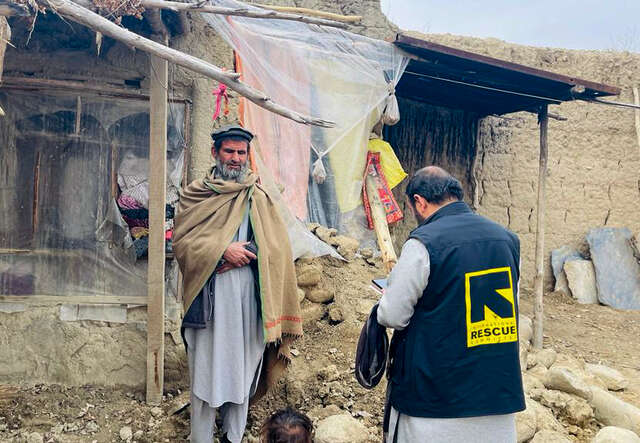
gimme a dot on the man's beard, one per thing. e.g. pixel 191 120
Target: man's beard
pixel 224 172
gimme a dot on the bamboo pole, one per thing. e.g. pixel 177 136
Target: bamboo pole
pixel 88 18
pixel 380 225
pixel 203 6
pixel 538 311
pixel 313 12
pixel 157 199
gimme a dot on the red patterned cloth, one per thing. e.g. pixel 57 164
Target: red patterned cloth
pixel 391 207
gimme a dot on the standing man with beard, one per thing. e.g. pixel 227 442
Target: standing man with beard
pixel 240 293
pixel 452 301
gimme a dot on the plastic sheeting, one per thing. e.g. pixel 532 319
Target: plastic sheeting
pixel 61 231
pixel 324 72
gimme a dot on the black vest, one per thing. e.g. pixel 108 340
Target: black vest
pixel 458 357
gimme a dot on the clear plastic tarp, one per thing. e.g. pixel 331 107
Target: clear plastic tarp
pixel 66 161
pixel 323 72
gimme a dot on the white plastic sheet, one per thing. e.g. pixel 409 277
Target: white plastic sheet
pixel 324 72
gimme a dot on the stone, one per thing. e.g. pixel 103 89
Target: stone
pixel 611 411
pixel 613 434
pixel 301 295
pixel 366 253
pixel 563 379
pixel 156 411
pixel 138 434
pixel 320 413
pixel 545 419
pixel 320 295
pixel 342 428
pixel 91 427
pixel 526 423
pixel 525 329
pixel 581 276
pixel 558 258
pixel 309 276
pixel 34 437
pixel 325 234
pixel 612 379
pixel 547 436
pixel 539 372
pixel 329 373
pixel 335 314
pixel 346 246
pixel 575 409
pixel 529 383
pixel 546 357
pixel 617 270
pixel 364 307
pixel 126 434
pixel 312 312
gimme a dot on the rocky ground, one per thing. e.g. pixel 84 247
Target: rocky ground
pixel 587 377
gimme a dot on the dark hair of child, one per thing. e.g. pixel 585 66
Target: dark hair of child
pixel 287 426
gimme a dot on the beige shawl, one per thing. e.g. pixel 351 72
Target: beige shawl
pixel 209 215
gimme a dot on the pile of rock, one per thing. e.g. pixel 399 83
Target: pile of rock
pixel 568 396
pixel 347 247
pixel 611 277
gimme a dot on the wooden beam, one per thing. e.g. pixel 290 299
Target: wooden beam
pixel 157 198
pixel 636 101
pixel 71 299
pixel 86 17
pixel 380 225
pixel 244 11
pixel 538 311
pixel 313 12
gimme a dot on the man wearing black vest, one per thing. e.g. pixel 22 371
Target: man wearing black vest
pixel 452 300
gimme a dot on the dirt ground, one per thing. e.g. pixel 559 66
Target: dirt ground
pixel 320 381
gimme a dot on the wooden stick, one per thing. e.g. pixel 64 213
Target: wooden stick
pixel 71 299
pixel 203 6
pixel 538 311
pixel 379 216
pixel 98 23
pixel 157 198
pixel 636 101
pixel 313 12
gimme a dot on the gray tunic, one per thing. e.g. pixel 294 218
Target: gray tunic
pixel 407 282
pixel 225 356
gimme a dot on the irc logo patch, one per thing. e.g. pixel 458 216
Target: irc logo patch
pixel 491 311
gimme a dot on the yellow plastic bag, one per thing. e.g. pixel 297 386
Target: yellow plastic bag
pixel 391 166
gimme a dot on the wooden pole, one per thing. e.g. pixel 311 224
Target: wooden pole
pixel 240 12
pixel 157 199
pixel 314 12
pixel 380 225
pixel 636 101
pixel 86 17
pixel 538 311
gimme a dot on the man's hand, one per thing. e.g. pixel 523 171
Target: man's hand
pixel 237 255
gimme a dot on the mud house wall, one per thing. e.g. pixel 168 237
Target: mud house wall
pixel 431 135
pixel 37 344
pixel 594 157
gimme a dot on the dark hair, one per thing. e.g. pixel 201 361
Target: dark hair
pixel 237 138
pixel 287 426
pixel 435 186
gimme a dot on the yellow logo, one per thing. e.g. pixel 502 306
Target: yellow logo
pixel 491 310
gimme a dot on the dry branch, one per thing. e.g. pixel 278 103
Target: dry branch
pixel 203 6
pixel 314 12
pixel 88 18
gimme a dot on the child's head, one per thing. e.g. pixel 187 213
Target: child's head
pixel 287 426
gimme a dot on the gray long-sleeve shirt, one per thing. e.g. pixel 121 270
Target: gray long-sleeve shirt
pixel 406 284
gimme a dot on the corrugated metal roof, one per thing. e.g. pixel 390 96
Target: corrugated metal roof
pixel 454 78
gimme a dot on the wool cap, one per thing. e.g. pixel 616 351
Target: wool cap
pixel 231 131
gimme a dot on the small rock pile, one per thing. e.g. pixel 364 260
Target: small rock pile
pixel 566 396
